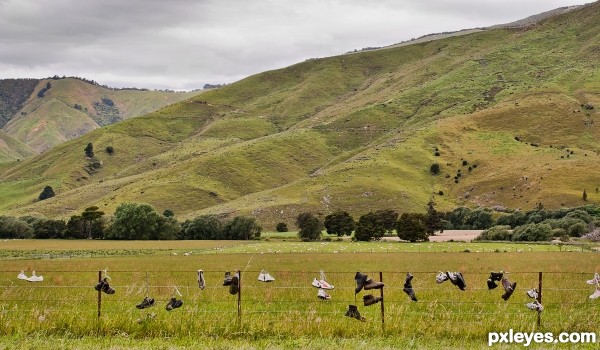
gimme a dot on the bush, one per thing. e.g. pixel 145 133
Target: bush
pixel 110 150
pixel 46 193
pixel 339 223
pixel 532 233
pixel 496 233
pixel 435 168
pixel 412 227
pixel 309 226
pixel 369 227
pixel 577 230
pixel 281 227
pixel 242 228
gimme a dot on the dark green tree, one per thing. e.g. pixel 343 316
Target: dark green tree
pixel 435 168
pixel 388 219
pixel 89 150
pixel 242 228
pixel 203 227
pixel 281 227
pixel 479 219
pixel 433 220
pixel 309 226
pixel 93 223
pixel 47 192
pixel 369 227
pixel 110 149
pixel 339 223
pixel 48 228
pixel 11 227
pixel 76 228
pixel 134 221
pixel 411 227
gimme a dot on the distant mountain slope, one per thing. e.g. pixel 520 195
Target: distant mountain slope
pixel 58 110
pixel 511 113
pixel 13 93
pixel 11 148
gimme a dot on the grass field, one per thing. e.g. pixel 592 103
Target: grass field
pixel 284 313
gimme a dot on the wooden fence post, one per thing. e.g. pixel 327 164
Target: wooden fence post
pixel 539 318
pixel 382 307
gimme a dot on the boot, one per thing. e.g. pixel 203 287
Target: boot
pixel 361 280
pixel 491 284
pixel 104 286
pixel 369 299
pixel 234 288
pixel 508 287
pixel 408 287
pixel 147 302
pixel 373 285
pixel 201 281
pixel 353 312
pixel 457 279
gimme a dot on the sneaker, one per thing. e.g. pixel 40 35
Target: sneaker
pixel 146 303
pixel 596 294
pixel 174 304
pixel 104 286
pixel 353 312
pixel 369 299
pixel 491 284
pixel 323 295
pixel 373 285
pixel 457 279
pixel 315 283
pixel 533 294
pixel 441 277
pixel 508 287
pixel 35 278
pixel 324 285
pixel 201 282
pixel 595 280
pixel 496 276
pixel 361 280
pixel 227 280
pixel 234 288
pixel 265 277
pixel 535 305
pixel 22 276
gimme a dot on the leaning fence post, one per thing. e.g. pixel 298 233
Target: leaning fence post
pixel 539 318
pixel 99 294
pixel 382 308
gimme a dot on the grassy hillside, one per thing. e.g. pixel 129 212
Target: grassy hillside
pixel 72 107
pixel 359 132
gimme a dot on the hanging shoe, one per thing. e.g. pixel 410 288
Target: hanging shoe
pixel 146 303
pixel 369 299
pixel 533 293
pixel 595 280
pixel 491 284
pixel 35 278
pixel 361 280
pixel 227 280
pixel 441 277
pixel 596 294
pixel 535 305
pixel 104 286
pixel 509 288
pixel 201 282
pixel 264 276
pixel 353 312
pixel 457 279
pixel 370 284
pixel 234 288
pixel 323 295
pixel 496 276
pixel 315 283
pixel 22 276
pixel 173 304
pixel 408 287
pixel 324 285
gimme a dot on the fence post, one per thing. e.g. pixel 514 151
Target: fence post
pixel 99 294
pixel 539 318
pixel 382 308
pixel 239 298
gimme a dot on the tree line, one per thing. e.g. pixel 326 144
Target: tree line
pixel 131 221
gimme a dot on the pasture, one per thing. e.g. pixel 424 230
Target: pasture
pixel 285 312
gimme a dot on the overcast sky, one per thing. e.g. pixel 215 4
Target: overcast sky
pixel 183 44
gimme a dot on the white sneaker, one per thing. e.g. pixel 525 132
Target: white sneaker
pixel 315 283
pixel 323 295
pixel 596 294
pixel 201 282
pixel 535 305
pixel 441 277
pixel 533 294
pixel 22 276
pixel 264 276
pixel 35 278
pixel 325 285
pixel 595 280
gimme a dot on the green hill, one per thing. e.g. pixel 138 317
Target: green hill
pixel 57 110
pixel 512 114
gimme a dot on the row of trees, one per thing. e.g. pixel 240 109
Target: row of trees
pixel 131 221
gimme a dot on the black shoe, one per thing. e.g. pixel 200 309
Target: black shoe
pixel 147 302
pixel 369 299
pixel 410 292
pixel 508 287
pixel 408 280
pixel 370 284
pixel 104 286
pixel 457 279
pixel 227 280
pixel 496 276
pixel 353 312
pixel 491 284
pixel 361 280
pixel 234 287
pixel 174 304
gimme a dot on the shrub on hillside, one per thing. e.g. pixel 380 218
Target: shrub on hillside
pixel 496 233
pixel 281 227
pixel 46 193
